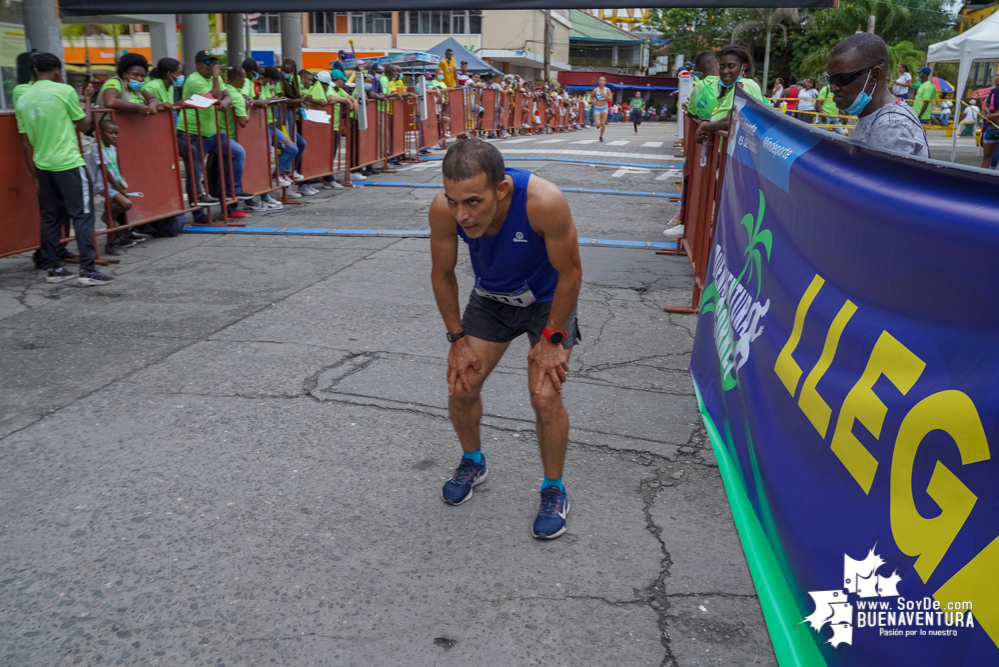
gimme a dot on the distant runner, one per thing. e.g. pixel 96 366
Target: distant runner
pixel 525 254
pixel 601 96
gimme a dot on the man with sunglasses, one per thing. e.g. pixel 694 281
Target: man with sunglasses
pixel 856 75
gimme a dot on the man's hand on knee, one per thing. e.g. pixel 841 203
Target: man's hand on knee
pixel 553 362
pixel 460 359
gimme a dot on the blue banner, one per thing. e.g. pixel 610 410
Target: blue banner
pixel 847 365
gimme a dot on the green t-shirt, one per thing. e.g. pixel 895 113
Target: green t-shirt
pixel 238 108
pixel 248 89
pixel 317 92
pixel 46 112
pixel 705 97
pixel 198 85
pixel 116 84
pixel 825 99
pixel 269 91
pixel 15 95
pixel 927 91
pixel 637 103
pixel 337 108
pixel 727 96
pixel 159 89
pixel 385 84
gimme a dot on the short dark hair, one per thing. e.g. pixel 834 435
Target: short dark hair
pixel 26 66
pixel 271 72
pixel 250 65
pixel 471 157
pixel 130 60
pixel 163 67
pixel 106 122
pixel 233 73
pixel 742 54
pixel 47 62
pixel 792 81
pixel 702 59
pixel 905 67
pixel 871 48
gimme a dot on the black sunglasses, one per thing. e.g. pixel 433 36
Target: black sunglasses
pixel 844 78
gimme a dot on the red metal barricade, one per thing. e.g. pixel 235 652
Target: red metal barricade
pixel 489 109
pixel 703 170
pixel 317 159
pixel 158 179
pixel 430 125
pixel 258 176
pixel 367 140
pixel 397 128
pixel 517 120
pixel 20 218
pixel 457 112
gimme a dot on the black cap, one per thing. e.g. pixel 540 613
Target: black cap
pixel 377 68
pixel 204 56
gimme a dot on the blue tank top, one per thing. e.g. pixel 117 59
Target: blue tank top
pixel 515 259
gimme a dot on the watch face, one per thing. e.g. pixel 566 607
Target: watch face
pixel 556 337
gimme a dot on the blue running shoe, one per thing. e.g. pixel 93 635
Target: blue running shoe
pixel 551 515
pixel 458 489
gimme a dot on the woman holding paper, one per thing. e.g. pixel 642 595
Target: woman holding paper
pixel 291 87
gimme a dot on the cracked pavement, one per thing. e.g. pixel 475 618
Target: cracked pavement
pixel 233 455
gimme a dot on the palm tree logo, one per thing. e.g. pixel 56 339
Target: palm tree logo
pixel 757 237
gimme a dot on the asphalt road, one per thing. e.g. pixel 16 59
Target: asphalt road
pixel 233 455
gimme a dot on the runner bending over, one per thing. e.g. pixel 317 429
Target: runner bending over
pixel 525 255
pixel 601 99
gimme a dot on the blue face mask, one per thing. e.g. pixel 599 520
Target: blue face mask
pixel 179 83
pixel 135 85
pixel 367 86
pixel 737 79
pixel 286 75
pixel 863 99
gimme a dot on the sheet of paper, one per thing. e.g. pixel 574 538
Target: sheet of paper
pixel 316 115
pixel 200 101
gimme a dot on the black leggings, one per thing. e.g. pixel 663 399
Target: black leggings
pixel 636 120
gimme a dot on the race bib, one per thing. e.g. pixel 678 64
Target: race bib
pixel 519 299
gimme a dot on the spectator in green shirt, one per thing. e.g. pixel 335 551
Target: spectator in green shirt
pixel 252 69
pixel 735 68
pixel 124 91
pixel 235 118
pixel 923 105
pixel 49 116
pixel 164 80
pixel 828 110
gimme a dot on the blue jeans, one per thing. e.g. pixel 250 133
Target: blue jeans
pixel 195 161
pixel 288 151
pixel 299 141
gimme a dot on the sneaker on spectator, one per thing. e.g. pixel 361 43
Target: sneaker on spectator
pixel 283 182
pixel 113 249
pixel 93 277
pixel 425 152
pixel 124 242
pixel 207 200
pixel 138 238
pixel 239 214
pixel 255 205
pixel 291 194
pixel 674 232
pixel 295 176
pixel 201 220
pixel 243 195
pixel 333 185
pixel 273 205
pixel 358 176
pixel 306 189
pixel 57 275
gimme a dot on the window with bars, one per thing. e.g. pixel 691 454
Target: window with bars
pixel 413 23
pixel 267 24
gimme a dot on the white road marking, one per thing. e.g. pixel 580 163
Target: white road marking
pixel 609 155
pixel 618 143
pixel 519 141
pixel 586 141
pixel 551 141
pixel 666 174
pixel 652 144
pixel 422 166
pixel 627 171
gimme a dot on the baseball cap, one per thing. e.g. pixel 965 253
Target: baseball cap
pixel 204 57
pixel 924 70
pixel 377 68
pixel 337 74
pixel 324 77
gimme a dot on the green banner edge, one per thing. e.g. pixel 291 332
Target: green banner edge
pixel 792 643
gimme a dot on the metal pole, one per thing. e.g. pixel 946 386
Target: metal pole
pixel 291 36
pixel 194 37
pixel 766 62
pixel 548 45
pixel 234 39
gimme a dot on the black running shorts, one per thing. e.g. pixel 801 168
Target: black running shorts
pixel 497 322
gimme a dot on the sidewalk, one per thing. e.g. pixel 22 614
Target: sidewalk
pixel 233 455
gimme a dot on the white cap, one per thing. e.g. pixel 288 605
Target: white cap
pixel 324 77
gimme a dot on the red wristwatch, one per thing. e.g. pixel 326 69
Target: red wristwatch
pixel 555 336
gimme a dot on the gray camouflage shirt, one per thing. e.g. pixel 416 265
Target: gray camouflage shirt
pixel 893 127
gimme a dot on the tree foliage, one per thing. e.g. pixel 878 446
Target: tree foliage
pixel 907 26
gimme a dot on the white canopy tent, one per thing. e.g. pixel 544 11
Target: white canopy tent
pixel 980 43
